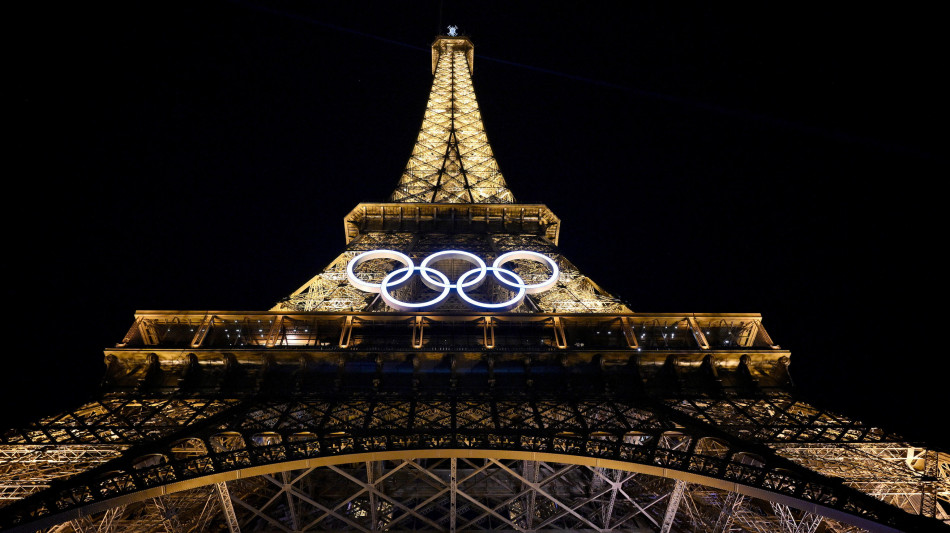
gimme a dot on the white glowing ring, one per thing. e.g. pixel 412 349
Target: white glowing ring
pixel 516 283
pixel 470 258
pixel 534 288
pixel 366 286
pixel 400 305
pixel 468 280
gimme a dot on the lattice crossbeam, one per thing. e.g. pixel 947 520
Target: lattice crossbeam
pixel 416 495
pixel 247 434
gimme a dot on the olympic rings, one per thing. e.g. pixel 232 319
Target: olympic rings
pixel 470 279
pixel 374 254
pixel 388 284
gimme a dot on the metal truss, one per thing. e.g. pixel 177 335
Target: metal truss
pixel 444 494
pixel 906 476
pixel 452 161
pixel 709 414
pixel 329 290
pixel 807 523
pixel 207 439
pixel 730 508
pixel 27 469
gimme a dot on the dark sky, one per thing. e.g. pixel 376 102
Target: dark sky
pixel 201 155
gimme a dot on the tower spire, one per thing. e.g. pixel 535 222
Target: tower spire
pixel 452 161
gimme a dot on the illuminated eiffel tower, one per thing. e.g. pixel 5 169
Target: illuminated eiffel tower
pixel 452 371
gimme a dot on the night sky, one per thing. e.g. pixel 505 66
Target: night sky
pixel 202 155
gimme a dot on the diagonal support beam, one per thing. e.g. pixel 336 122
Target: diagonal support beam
pixel 537 487
pixel 326 512
pixel 728 512
pixel 609 508
pixel 107 522
pixel 531 473
pixel 490 511
pixel 291 507
pixel 169 517
pixel 433 480
pixel 672 507
pixel 227 508
pixel 640 510
pixel 207 511
pixel 275 525
pixel 374 490
pixel 616 484
pixel 808 523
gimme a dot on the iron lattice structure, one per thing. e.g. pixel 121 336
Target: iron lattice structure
pixel 452 161
pixel 333 411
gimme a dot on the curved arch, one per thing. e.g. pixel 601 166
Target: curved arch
pixel 254 437
pixel 453 453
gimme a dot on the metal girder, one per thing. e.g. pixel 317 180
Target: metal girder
pixel 227 507
pixel 673 505
pixel 291 506
pixel 451 161
pixel 453 495
pixel 808 522
pixel 599 478
pixel 169 517
pixel 204 512
pixel 370 488
pixel 491 495
pixel 105 523
pixel 530 469
pixel 732 502
pixel 371 476
pixel 538 488
pixel 222 435
pixel 326 512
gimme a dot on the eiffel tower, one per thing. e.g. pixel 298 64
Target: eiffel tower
pixel 410 386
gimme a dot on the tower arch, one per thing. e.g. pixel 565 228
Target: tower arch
pixel 516 465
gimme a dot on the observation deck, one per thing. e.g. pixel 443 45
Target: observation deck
pixel 305 353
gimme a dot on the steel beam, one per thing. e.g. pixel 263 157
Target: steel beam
pixel 672 506
pixel 453 494
pixel 808 523
pixel 169 517
pixel 727 514
pixel 227 507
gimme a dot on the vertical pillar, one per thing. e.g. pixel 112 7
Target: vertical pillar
pixel 531 469
pixel 373 502
pixel 453 494
pixel 291 507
